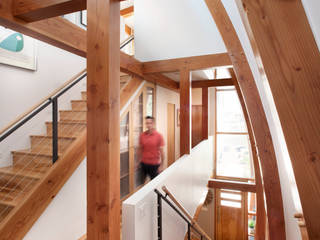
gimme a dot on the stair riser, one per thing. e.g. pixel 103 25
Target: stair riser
pixel 73 116
pixel 44 145
pixel 67 130
pixel 79 106
pixel 39 163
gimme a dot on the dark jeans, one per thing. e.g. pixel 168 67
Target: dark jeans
pixel 149 170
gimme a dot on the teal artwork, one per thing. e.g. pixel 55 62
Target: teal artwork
pixel 14 42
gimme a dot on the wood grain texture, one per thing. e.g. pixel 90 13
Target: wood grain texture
pixel 129 89
pixel 56 31
pixel 290 60
pixel 35 10
pixel 259 124
pixel 126 12
pixel 103 126
pixel 260 229
pixel 212 83
pixel 196 120
pixel 29 210
pixel 191 63
pixel 205 109
pixel 185 112
pixel 232 185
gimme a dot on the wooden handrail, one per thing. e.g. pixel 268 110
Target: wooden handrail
pixel 193 222
pixel 23 115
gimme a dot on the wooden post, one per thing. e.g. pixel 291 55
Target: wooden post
pixel 185 111
pixel 283 41
pixel 258 120
pixel 103 120
pixel 205 113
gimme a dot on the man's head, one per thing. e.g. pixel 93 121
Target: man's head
pixel 149 123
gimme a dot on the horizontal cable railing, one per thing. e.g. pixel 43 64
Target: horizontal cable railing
pixel 191 224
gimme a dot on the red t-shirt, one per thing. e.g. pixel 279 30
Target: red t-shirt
pixel 150 146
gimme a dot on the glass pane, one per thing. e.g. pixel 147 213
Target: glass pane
pixel 231 196
pixel 233 158
pixel 149 104
pixel 229 113
pixel 139 179
pixel 124 155
pixel 230 204
pixel 124 186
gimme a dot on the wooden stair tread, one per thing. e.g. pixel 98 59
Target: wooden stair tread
pixel 21 172
pixel 12 199
pixel 81 100
pixel 31 152
pixel 50 137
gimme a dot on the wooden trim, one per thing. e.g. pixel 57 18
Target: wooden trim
pixel 289 61
pixel 233 133
pixel 258 120
pixel 205 109
pixel 233 185
pixel 185 112
pixel 127 12
pixel 128 90
pixel 212 83
pixel 23 115
pixel 103 101
pixel 28 211
pixel 35 10
pixel 190 63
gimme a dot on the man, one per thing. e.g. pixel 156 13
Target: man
pixel 151 150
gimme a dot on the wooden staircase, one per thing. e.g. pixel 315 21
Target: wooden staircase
pixel 30 165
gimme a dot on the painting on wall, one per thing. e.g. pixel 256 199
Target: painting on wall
pixel 17 49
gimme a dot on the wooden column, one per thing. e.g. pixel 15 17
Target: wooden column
pixel 290 60
pixel 258 121
pixel 185 111
pixel 205 113
pixel 103 120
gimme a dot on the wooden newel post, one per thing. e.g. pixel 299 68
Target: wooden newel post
pixel 103 120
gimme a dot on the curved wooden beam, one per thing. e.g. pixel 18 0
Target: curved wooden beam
pixel 289 58
pixel 258 120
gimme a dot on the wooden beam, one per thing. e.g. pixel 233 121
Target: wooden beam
pixel 162 80
pixel 232 185
pixel 103 101
pixel 205 113
pixel 259 124
pixel 185 111
pixel 260 229
pixel 212 83
pixel 190 63
pixel 57 31
pixel 127 12
pixel 129 90
pixel 290 60
pixel 35 10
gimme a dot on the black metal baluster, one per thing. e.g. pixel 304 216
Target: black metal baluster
pixel 54 129
pixel 189 232
pixel 159 217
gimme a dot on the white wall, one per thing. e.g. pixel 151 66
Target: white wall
pixel 65 217
pixel 170 29
pixel 163 97
pixel 187 179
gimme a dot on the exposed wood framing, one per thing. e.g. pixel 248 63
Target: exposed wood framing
pixel 56 31
pixel 212 83
pixel 260 229
pixel 128 90
pixel 290 59
pixel 190 63
pixel 259 124
pixel 205 104
pixel 35 10
pixel 103 101
pixel 162 80
pixel 232 185
pixel 185 111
